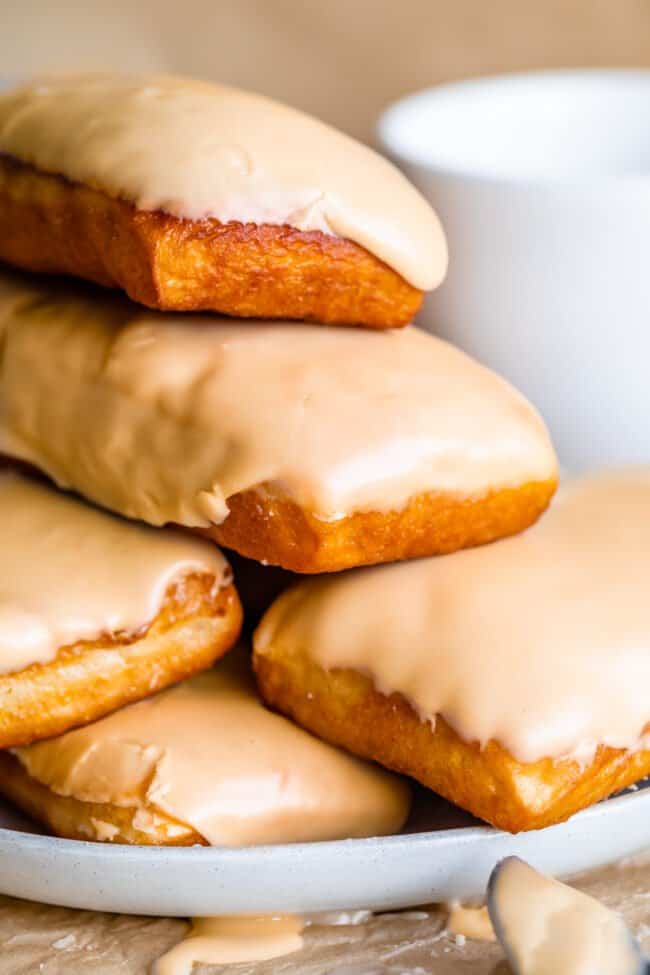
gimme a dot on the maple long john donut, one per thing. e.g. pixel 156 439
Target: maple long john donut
pixel 511 679
pixel 310 447
pixel 206 763
pixel 191 196
pixel 96 612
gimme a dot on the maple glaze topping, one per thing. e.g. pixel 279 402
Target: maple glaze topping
pixel 71 572
pixel 198 150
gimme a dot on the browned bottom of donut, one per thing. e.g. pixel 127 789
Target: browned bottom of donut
pixel 343 707
pixel 279 532
pixel 254 271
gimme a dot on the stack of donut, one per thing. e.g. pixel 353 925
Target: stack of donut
pixel 237 367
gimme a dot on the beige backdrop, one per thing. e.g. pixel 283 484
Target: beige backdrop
pixel 341 59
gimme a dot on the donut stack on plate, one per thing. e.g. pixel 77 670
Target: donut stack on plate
pixel 236 366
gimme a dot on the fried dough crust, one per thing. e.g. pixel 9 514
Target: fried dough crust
pixel 197 623
pixel 343 707
pixel 50 224
pixel 278 531
pixel 78 820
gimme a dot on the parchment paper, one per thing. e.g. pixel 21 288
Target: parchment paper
pixel 40 940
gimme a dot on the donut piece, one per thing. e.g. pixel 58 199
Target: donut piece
pixel 202 763
pixel 198 622
pixel 251 271
pixel 312 448
pixel 510 679
pixel 280 532
pixel 344 708
pixel 97 612
pixel 75 819
pixel 198 197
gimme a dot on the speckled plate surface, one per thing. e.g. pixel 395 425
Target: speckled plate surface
pixel 442 854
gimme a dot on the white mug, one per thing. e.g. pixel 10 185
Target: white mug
pixel 543 184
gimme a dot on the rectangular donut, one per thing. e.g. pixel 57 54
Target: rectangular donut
pixel 190 196
pixel 97 612
pixel 343 707
pixel 510 679
pixel 206 763
pixel 308 447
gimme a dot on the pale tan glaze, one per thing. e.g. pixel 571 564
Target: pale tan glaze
pixel 470 922
pixel 229 940
pixel 211 756
pixel 71 572
pixel 197 150
pixel 540 642
pixel 549 928
pixel 164 418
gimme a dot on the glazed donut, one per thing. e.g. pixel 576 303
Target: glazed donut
pixel 308 447
pixel 202 763
pixel 192 197
pixel 96 612
pixel 511 679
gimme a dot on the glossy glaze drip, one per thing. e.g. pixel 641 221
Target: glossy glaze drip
pixel 547 927
pixel 470 922
pixel 230 940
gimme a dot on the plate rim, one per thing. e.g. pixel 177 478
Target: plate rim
pixel 129 852
pixel 372 873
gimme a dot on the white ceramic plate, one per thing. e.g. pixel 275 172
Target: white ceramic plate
pixel 443 854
